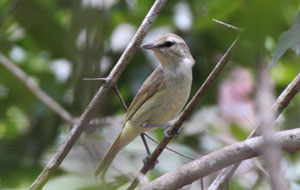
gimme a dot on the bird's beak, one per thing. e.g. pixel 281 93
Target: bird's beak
pixel 148 46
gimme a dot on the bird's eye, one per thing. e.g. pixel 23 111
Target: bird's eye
pixel 168 44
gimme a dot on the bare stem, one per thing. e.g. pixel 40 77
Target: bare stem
pixel 100 96
pixel 120 97
pixel 96 79
pixel 228 25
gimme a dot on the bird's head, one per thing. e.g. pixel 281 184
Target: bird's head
pixel 170 49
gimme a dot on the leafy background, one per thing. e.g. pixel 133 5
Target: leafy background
pixel 58 43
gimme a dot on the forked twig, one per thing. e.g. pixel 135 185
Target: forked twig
pixel 178 153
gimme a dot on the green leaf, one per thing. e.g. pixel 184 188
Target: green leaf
pixel 287 40
pixel 238 132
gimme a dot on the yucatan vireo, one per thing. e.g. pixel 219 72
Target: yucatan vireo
pixel 161 97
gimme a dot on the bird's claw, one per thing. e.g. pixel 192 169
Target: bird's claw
pixel 146 162
pixel 168 136
pixel 155 125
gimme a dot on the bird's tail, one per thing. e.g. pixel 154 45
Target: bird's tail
pixel 123 139
pixel 107 159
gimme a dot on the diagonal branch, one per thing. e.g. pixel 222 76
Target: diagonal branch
pixel 277 108
pixel 288 140
pixel 100 96
pixel 186 112
pixel 35 90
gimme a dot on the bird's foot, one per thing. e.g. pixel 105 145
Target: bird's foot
pixel 164 125
pixel 167 135
pixel 147 163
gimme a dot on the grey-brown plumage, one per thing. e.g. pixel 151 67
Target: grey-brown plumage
pixel 161 97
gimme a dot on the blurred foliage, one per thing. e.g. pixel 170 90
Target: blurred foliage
pixel 238 132
pixel 288 39
pixel 60 42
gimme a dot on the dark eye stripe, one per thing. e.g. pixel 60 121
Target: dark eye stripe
pixel 166 44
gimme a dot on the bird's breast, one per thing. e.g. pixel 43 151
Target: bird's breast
pixel 167 103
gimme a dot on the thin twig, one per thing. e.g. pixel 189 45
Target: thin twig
pixel 228 25
pixel 120 97
pixel 35 90
pixel 202 184
pixel 178 153
pixel 288 140
pixel 96 79
pixel 186 112
pixel 258 165
pixel 145 144
pixel 100 96
pixel 281 103
pixel 271 151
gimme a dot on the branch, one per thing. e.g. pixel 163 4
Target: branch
pixel 271 151
pixel 100 96
pixel 228 25
pixel 35 90
pixel 288 140
pixel 281 103
pixel 286 96
pixel 185 113
pixel 174 151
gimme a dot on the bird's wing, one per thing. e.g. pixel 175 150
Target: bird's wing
pixel 151 85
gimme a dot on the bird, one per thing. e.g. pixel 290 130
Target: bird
pixel 161 97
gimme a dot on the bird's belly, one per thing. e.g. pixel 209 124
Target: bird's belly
pixel 161 107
